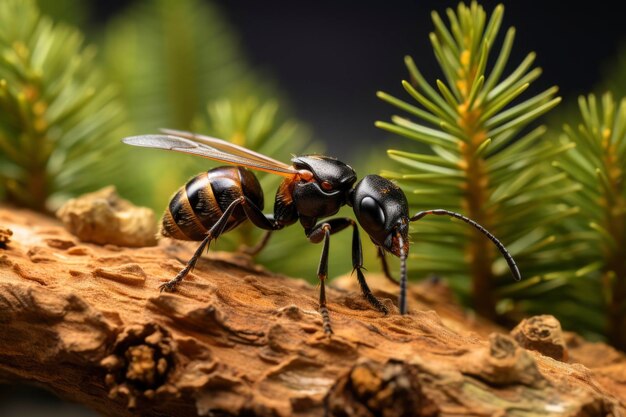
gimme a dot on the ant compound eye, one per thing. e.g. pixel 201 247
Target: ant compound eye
pixel 371 214
pixel 327 186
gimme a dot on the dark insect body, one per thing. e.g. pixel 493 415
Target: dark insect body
pixel 198 205
pixel 315 187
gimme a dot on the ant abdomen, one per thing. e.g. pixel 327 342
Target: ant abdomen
pixel 200 203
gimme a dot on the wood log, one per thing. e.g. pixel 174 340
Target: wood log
pixel 87 322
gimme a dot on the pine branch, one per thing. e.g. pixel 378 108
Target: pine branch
pixel 73 12
pixel 485 160
pixel 59 115
pixel 171 59
pixel 597 162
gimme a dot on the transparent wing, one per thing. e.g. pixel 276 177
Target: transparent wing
pixel 225 146
pixel 195 147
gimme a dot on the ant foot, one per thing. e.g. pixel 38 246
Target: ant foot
pixel 383 309
pixel 169 286
pixel 377 304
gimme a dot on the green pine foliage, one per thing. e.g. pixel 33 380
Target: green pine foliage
pixel 599 228
pixel 172 58
pixel 614 74
pixel 59 116
pixel 486 160
pixel 73 12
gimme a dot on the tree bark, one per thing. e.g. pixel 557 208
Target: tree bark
pixel 88 323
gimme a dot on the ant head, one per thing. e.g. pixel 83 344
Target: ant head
pixel 382 210
pixel 324 185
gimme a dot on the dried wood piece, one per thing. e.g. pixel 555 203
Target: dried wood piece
pixel 5 237
pixel 393 389
pixel 104 217
pixel 131 274
pixel 542 334
pixel 89 323
pixel 60 243
pixel 503 363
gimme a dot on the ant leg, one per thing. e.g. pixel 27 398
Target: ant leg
pixel 213 233
pixel 357 265
pixel 337 225
pixel 385 265
pixel 254 250
pixel 170 286
pixel 505 253
pixel 317 234
pixel 258 218
pixel 262 221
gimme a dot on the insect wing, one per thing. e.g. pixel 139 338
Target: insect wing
pixel 179 144
pixel 225 146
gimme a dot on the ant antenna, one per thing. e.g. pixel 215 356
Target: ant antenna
pixel 507 256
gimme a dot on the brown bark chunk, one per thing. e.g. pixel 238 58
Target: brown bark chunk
pixel 542 334
pixel 103 217
pixel 89 323
pixel 5 237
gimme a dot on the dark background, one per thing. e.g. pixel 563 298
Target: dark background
pixel 330 57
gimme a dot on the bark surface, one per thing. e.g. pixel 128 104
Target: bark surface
pixel 88 323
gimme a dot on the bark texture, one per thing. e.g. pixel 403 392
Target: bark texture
pixel 88 322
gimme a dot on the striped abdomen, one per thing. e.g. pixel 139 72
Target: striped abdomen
pixel 200 203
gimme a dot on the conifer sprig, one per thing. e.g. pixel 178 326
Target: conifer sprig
pixel 597 163
pixel 58 115
pixel 172 58
pixel 485 160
